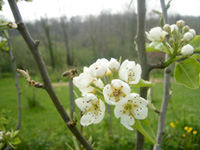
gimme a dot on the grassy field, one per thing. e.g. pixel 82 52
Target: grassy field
pixel 43 129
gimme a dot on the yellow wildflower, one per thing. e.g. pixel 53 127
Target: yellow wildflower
pixel 194 132
pixel 183 135
pixel 186 128
pixel 172 125
pixel 189 130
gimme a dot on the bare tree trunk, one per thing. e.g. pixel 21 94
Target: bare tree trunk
pixel 33 46
pixel 140 40
pixel 166 91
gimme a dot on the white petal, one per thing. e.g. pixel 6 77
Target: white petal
pixel 86 70
pixel 138 71
pixel 82 103
pixel 118 111
pixel 103 60
pixel 87 90
pixel 87 119
pixel 99 118
pixel 113 64
pixel 126 88
pixel 82 81
pixel 98 83
pixel 102 106
pixel 138 100
pixel 127 121
pixel 106 93
pixel 98 70
pixel 140 112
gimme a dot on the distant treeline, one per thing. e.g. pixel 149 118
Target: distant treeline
pixel 85 38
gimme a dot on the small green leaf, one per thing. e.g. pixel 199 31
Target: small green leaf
pixel 16 141
pixel 187 73
pixel 143 83
pixel 196 56
pixel 196 43
pixel 144 127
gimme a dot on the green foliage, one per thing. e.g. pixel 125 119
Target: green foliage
pixel 143 83
pixel 196 43
pixel 7 138
pixel 187 73
pixel 144 127
pixel 43 128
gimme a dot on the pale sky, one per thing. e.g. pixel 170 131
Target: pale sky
pixel 55 8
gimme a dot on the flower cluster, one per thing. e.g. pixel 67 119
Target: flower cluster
pixel 9 138
pixel 108 82
pixel 179 36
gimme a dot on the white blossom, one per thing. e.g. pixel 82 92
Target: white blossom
pixel 98 69
pixel 187 50
pixel 156 34
pixel 116 92
pixel 188 36
pixel 130 72
pixel 113 65
pixel 93 109
pixel 134 107
pixel 83 80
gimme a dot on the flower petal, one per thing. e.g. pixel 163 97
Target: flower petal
pixel 118 111
pixel 127 121
pixel 106 92
pixel 87 119
pixel 82 103
pixel 99 117
pixel 140 112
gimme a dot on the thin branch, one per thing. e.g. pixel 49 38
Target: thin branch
pixel 46 80
pixel 12 60
pixel 166 90
pixel 16 84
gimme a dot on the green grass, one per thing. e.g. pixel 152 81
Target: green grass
pixel 43 128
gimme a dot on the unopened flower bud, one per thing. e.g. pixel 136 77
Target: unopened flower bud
pixel 186 29
pixel 188 36
pixel 113 65
pixel 174 29
pixel 171 41
pixel 180 24
pixel 187 50
pixel 193 32
pixel 167 28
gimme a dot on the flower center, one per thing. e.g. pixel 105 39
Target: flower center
pixel 117 93
pixel 129 107
pixel 131 75
pixel 95 107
